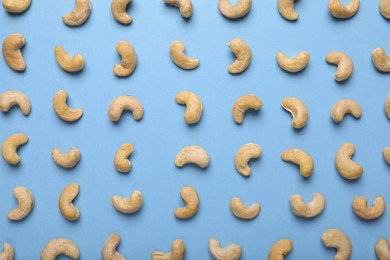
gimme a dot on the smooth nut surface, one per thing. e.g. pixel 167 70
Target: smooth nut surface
pixel 121 159
pixel 295 64
pixel 118 10
pixel 66 160
pixel 191 199
pixel 128 205
pixel 338 10
pixel 343 62
pixel 129 59
pixel 67 208
pixel 185 7
pixel 387 107
pixel 79 15
pixel 244 103
pixel 177 252
pixel 384 8
pixel 337 239
pixel 280 249
pixel 194 106
pixel 286 9
pixel 344 164
pixel 68 63
pixel 15 98
pixel 231 252
pixel 121 103
pixel 343 107
pixel 298 111
pixel 382 249
pixel 240 210
pixel 244 154
pixel 386 154
pixel 381 60
pixel 8 252
pixel 60 246
pixel 192 154
pixel 109 250
pixel 243 54
pixel 10 146
pixel 300 158
pixel 62 109
pixel 361 208
pixel 12 53
pixel 307 210
pixel 16 6
pixel 178 56
pixel 238 10
pixel 25 204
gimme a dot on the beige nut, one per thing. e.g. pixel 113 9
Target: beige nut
pixel 62 109
pixel 243 104
pixel 194 106
pixel 242 211
pixel 178 250
pixel 178 56
pixel 121 103
pixel 8 252
pixel 231 252
pixel 15 98
pixel 66 160
pixel 79 15
pixel 344 164
pixel 192 154
pixel 300 158
pixel 129 59
pixel 386 154
pixel 381 60
pixel 338 10
pixel 121 159
pixel 343 62
pixel 25 204
pixel 384 8
pixel 67 208
pixel 298 111
pixel 109 250
pixel 12 53
pixel 240 9
pixel 337 239
pixel 185 7
pixel 286 9
pixel 280 249
pixel 243 54
pixel 118 10
pixel 10 146
pixel 343 107
pixel 295 64
pixel 307 210
pixel 382 249
pixel 361 208
pixel 191 199
pixel 16 7
pixel 68 63
pixel 60 246
pixel 387 107
pixel 244 154
pixel 128 205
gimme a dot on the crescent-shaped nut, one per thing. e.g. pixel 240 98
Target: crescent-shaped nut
pixel 300 158
pixel 67 208
pixel 8 252
pixel 344 164
pixel 242 211
pixel 178 250
pixel 361 208
pixel 240 9
pixel 129 59
pixel 343 62
pixel 62 109
pixel 231 252
pixel 15 98
pixel 109 250
pixel 243 54
pixel 338 10
pixel 12 53
pixel 118 10
pixel 68 63
pixel 25 204
pixel 178 56
pixel 280 249
pixel 191 199
pixel 79 15
pixel 381 60
pixel 121 159
pixel 337 239
pixel 244 154
pixel 121 103
pixel 343 107
pixel 307 210
pixel 60 246
pixel 10 146
pixel 192 154
pixel 387 107
pixel 128 205
pixel 295 64
pixel 66 160
pixel 286 9
pixel 16 7
pixel 243 104
pixel 193 104
pixel 386 154
pixel 382 249
pixel 298 111
pixel 384 8
pixel 185 7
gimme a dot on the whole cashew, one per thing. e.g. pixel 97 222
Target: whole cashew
pixel 178 56
pixel 240 9
pixel 177 252
pixel 337 239
pixel 193 104
pixel 109 248
pixel 66 160
pixel 62 109
pixel 286 9
pixel 8 252
pixel 185 7
pixel 280 249
pixel 118 10
pixel 79 15
pixel 387 107
pixel 386 154
pixel 243 54
pixel 128 205
pixel 343 62
pixel 244 154
pixel 384 8
pixel 338 10
pixel 244 212
pixel 191 198
pixel 129 59
pixel 361 209
pixel 16 7
pixel 10 145
pixel 231 252
pixel 381 60
pixel 60 246
pixel 300 158
pixel 307 210
pixel 295 64
pixel 12 53
pixel 344 164
pixel 121 159
pixel 298 111
pixel 243 104
pixel 68 63
pixel 192 154
pixel 382 249
pixel 343 107
pixel 121 103
pixel 15 98
pixel 67 208
pixel 25 204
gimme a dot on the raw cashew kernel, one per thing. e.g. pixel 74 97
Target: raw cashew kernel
pixel 243 104
pixel 307 210
pixel 240 9
pixel 8 252
pixel 60 246
pixel 121 103
pixel 191 198
pixel 243 54
pixel 193 104
pixel 344 164
pixel 337 239
pixel 300 158
pixel 128 205
pixel 382 249
pixel 192 154
pixel 10 146
pixel 109 248
pixel 343 62
pixel 386 154
pixel 286 9
pixel 67 208
pixel 66 160
pixel 244 154
pixel 295 64
pixel 361 209
pixel 381 60
pixel 280 249
pixel 185 7
pixel 231 252
pixel 129 59
pixel 178 250
pixel 121 159
pixel 338 10
pixel 16 7
pixel 298 111
pixel 241 211
pixel 79 15
pixel 15 98
pixel 68 63
pixel 384 8
pixel 387 107
pixel 12 53
pixel 25 204
pixel 118 10
pixel 178 56
pixel 343 107
pixel 62 109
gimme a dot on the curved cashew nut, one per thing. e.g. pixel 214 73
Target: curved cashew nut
pixel 382 249
pixel 387 107
pixel 118 10
pixel 231 252
pixel 8 252
pixel 286 9
pixel 25 204
pixel 343 62
pixel 381 60
pixel 343 107
pixel 128 205
pixel 121 159
pixel 178 56
pixel 177 252
pixel 60 246
pixel 9 147
pixel 12 53
pixel 307 210
pixel 386 154
pixel 121 103
pixel 68 63
pixel 384 8
pixel 295 64
pixel 185 7
pixel 241 211
pixel 280 249
pixel 244 154
pixel 344 164
pixel 243 54
pixel 191 198
pixel 66 160
pixel 243 104
pixel 193 104
pixel 298 111
pixel 337 239
pixel 338 10
pixel 300 158
pixel 192 154
pixel 109 248
pixel 240 9
pixel 16 7
pixel 62 109
pixel 67 208
pixel 361 209
pixel 15 98
pixel 79 15
pixel 129 59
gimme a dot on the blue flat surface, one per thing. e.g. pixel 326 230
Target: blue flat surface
pixel 162 132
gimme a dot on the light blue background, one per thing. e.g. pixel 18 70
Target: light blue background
pixel 162 132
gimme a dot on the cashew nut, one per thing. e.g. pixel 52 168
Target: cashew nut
pixel 9 147
pixel 280 249
pixel 382 249
pixel 243 54
pixel 12 53
pixel 241 211
pixel 128 205
pixel 386 154
pixel 8 252
pixel 243 104
pixel 15 98
pixel 185 7
pixel 381 60
pixel 307 210
pixel 25 204
pixel 129 59
pixel 178 56
pixel 121 159
pixel 193 104
pixel 344 164
pixel 118 10
pixel 338 10
pixel 60 246
pixel 384 8
pixel 286 9
pixel 62 110
pixel 295 64
pixel 337 239
pixel 67 208
pixel 109 248
pixel 190 197
pixel 178 250
pixel 79 15
pixel 298 111
pixel 240 9
pixel 66 160
pixel 231 252
pixel 16 7
pixel 361 209
pixel 343 62
pixel 343 107
pixel 121 103
pixel 244 154
pixel 300 158
pixel 192 154
pixel 387 107
pixel 68 63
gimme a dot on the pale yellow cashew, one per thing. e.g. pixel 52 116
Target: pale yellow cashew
pixel 243 104
pixel 231 252
pixel 298 111
pixel 178 56
pixel 10 146
pixel 128 205
pixel 244 154
pixel 8 252
pixel 382 249
pixel 67 208
pixel 192 154
pixel 280 249
pixel 307 210
pixel 129 59
pixel 193 104
pixel 60 246
pixel 381 60
pixel 66 160
pixel 386 154
pixel 12 53
pixel 242 211
pixel 79 15
pixel 300 158
pixel 191 199
pixel 109 250
pixel 15 98
pixel 344 164
pixel 25 204
pixel 62 109
pixel 121 159
pixel 121 103
pixel 337 239
pixel 295 64
pixel 384 8
pixel 243 54
pixel 178 250
pixel 185 7
pixel 118 10
pixel 387 107
pixel 286 9
pixel 240 9
pixel 343 62
pixel 338 10
pixel 68 63
pixel 16 6
pixel 361 208
pixel 343 107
